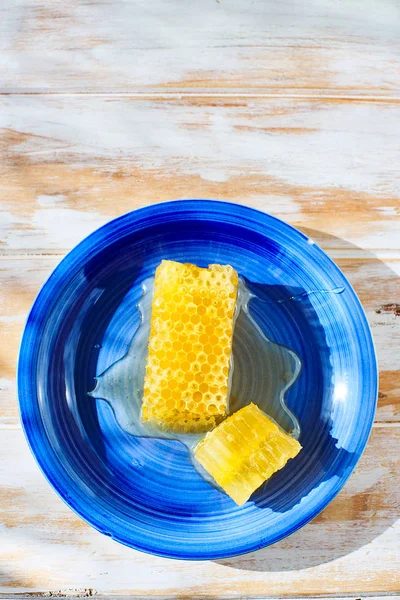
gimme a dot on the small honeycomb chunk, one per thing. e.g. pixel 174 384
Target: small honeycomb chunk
pixel 189 353
pixel 244 451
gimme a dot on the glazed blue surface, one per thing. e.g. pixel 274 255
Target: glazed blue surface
pixel 144 492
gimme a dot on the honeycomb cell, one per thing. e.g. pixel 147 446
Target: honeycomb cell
pixel 164 363
pixel 217 350
pixel 202 358
pixel 187 370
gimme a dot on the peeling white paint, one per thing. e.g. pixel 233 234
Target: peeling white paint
pixel 13 318
pixel 46 200
pixel 6 384
pixel 337 147
pixel 389 211
pixel 386 332
pixel 330 47
pixel 211 175
pixel 120 45
pixel 50 228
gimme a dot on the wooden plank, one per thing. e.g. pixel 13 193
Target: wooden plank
pixel 89 592
pixel 376 283
pixel 72 163
pixel 351 548
pixel 121 45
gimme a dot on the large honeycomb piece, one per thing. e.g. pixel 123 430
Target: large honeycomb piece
pixel 244 451
pixel 189 353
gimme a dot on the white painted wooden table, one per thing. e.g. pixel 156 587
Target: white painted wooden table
pixel 289 106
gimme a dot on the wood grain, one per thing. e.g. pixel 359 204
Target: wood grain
pixel 279 46
pixel 72 163
pixel 288 106
pixel 73 594
pixel 349 548
pixel 376 283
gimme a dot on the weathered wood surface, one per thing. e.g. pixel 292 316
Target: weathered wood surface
pixel 122 45
pixel 328 167
pixel 352 545
pixel 290 107
pixel 89 592
pixel 72 163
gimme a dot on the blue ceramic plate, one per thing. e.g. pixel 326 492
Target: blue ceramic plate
pixel 145 492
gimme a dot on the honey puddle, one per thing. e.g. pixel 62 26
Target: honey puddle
pixel 261 372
